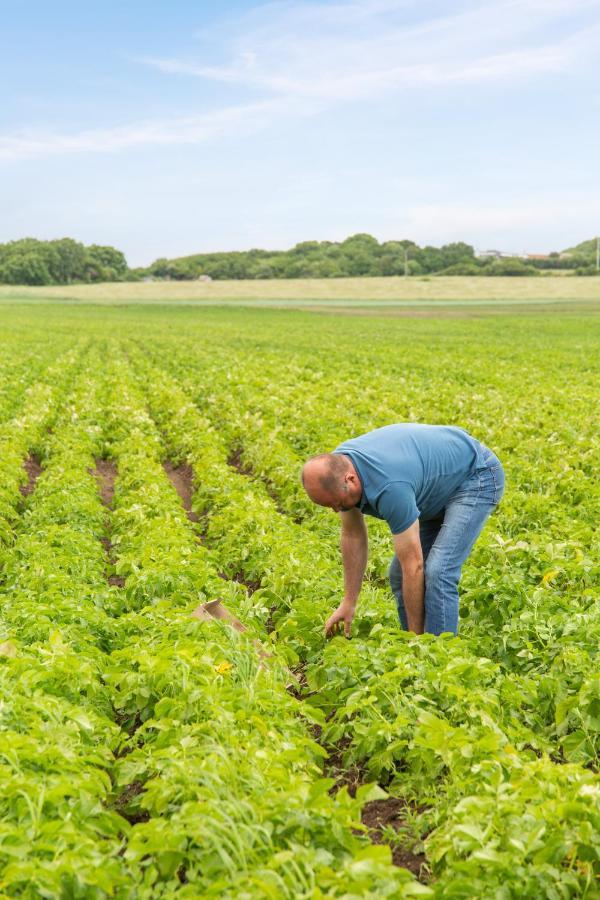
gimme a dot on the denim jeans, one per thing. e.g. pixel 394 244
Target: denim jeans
pixel 446 543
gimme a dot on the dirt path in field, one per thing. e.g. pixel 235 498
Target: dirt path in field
pixel 235 461
pixel 105 474
pixel 33 467
pixel 182 479
pixel 392 813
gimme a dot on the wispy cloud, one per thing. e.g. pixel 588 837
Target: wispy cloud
pixel 300 58
pixel 235 120
pixel 352 50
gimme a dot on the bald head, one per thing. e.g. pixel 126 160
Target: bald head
pixel 331 480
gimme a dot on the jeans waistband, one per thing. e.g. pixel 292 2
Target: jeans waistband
pixel 487 458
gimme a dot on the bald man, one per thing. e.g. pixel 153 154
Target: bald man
pixel 435 486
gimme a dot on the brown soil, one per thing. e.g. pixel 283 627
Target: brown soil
pixel 182 477
pixel 105 474
pixel 235 461
pixel 127 723
pixel 345 776
pixel 33 468
pixel 250 584
pixel 129 793
pixel 269 624
pixel 239 577
pixel 391 812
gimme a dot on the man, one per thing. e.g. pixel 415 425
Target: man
pixel 435 486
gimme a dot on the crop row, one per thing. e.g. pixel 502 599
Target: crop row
pixel 219 777
pixel 22 435
pixel 59 838
pixel 449 727
pixel 528 604
pixel 145 753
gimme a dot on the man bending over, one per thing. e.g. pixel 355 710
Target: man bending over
pixel 435 486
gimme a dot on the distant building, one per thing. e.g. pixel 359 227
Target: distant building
pixel 537 256
pixel 204 278
pixel 496 254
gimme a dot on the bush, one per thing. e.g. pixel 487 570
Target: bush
pixel 461 268
pixel 511 266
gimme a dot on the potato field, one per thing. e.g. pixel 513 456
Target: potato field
pixel 150 464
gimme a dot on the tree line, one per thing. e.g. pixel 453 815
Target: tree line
pixel 362 255
pixel 64 261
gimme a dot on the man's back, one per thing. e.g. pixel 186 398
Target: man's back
pixel 409 470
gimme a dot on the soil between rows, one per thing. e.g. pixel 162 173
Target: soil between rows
pixel 182 479
pixel 391 813
pixel 105 474
pixel 33 468
pixel 235 461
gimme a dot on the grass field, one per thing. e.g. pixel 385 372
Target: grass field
pixel 149 463
pixel 346 294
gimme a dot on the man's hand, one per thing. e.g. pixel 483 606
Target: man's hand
pixel 342 616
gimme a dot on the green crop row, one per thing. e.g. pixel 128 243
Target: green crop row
pixel 538 597
pixel 222 779
pixel 58 837
pixel 450 727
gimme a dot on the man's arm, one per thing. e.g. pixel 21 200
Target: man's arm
pixel 354 545
pixel 407 546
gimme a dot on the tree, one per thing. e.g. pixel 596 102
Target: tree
pixel 105 259
pixel 25 268
pixel 71 261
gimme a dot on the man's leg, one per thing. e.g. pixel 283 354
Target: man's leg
pixel 464 517
pixel 428 531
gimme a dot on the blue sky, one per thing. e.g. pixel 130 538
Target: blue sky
pixel 173 128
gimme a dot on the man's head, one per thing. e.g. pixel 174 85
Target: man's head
pixel 331 480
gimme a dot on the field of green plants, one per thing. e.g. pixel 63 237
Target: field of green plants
pixel 149 464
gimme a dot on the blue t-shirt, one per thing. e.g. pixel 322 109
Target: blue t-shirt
pixel 410 471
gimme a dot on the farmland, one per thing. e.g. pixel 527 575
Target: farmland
pixel 556 291
pixel 150 461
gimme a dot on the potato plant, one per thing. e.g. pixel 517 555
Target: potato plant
pixel 146 753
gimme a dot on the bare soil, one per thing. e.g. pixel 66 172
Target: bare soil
pixel 182 479
pixel 391 812
pixel 350 777
pixel 235 461
pixel 250 584
pixel 129 793
pixel 33 467
pixel 105 474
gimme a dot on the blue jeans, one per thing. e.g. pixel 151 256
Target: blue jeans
pixel 446 543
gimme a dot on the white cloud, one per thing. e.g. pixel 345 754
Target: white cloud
pixel 303 57
pixel 237 120
pixel 355 50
